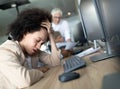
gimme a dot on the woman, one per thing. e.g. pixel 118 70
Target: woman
pixel 29 31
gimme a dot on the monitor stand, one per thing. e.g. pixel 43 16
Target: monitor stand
pixel 103 56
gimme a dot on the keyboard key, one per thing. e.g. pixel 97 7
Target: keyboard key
pixel 73 63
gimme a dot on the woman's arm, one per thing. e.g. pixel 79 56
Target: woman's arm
pixel 17 74
pixel 53 58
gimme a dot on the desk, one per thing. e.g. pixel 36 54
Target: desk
pixel 91 75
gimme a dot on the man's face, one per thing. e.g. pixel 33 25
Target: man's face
pixel 60 39
pixel 32 42
pixel 56 18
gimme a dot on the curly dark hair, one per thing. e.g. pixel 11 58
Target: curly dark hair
pixel 28 20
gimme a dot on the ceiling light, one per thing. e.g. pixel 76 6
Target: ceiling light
pixel 13 5
pixel 69 13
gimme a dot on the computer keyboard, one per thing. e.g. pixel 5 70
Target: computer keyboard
pixel 73 63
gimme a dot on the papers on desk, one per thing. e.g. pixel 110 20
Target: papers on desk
pixel 88 51
pixel 66 45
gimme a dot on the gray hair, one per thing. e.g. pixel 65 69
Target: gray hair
pixel 56 10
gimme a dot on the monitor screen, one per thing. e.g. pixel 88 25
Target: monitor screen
pixel 110 13
pixel 90 20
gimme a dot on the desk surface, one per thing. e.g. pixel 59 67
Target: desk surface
pixel 91 75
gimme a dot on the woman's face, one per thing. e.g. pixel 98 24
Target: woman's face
pixel 32 42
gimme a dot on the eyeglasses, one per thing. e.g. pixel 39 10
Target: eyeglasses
pixel 57 17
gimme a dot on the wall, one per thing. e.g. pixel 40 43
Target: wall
pixel 7 16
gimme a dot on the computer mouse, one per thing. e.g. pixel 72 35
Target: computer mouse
pixel 68 76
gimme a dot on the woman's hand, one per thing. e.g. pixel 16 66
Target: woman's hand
pixel 43 69
pixel 48 26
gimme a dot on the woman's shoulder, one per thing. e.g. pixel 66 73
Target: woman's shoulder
pixel 8 44
pixel 11 46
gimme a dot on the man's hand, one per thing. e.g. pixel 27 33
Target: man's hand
pixel 66 53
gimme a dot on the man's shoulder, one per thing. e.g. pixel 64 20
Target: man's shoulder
pixel 64 21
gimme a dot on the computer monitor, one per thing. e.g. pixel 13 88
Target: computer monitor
pixel 110 14
pixel 94 26
pixel 90 20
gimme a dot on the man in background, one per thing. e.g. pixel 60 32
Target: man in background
pixel 58 38
pixel 58 24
